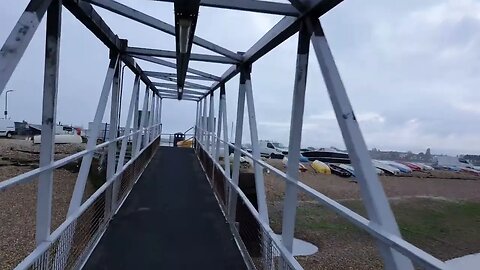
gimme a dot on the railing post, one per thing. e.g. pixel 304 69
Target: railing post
pixel 76 200
pixel 49 112
pixel 19 38
pixel 296 123
pixel 232 196
pixel 123 147
pixel 373 195
pixel 259 181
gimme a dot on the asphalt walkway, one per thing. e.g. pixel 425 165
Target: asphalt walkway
pixel 170 220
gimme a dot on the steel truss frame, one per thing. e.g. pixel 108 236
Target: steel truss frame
pixel 299 16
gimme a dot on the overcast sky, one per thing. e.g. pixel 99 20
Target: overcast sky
pixel 411 69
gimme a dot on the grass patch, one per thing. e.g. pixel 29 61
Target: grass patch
pixel 443 228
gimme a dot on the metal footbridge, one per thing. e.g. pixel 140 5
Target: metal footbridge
pixel 186 208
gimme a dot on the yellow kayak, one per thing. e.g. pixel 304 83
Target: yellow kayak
pixel 321 167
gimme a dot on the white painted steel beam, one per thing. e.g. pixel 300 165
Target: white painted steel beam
pixel 190 85
pixel 185 91
pixel 373 195
pixel 280 32
pixel 226 158
pixel 142 122
pixel 19 38
pixel 210 125
pixel 296 124
pixel 49 113
pixel 160 75
pixel 249 5
pixel 259 179
pixel 171 54
pixel 232 196
pixel 174 66
pixel 204 122
pixel 87 15
pixel 136 124
pixel 79 189
pixel 143 18
pixel 112 134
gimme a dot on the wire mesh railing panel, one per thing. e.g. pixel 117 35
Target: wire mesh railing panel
pixel 255 242
pixel 74 240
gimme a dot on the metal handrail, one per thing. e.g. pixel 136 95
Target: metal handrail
pixel 419 256
pixel 28 176
pixel 55 235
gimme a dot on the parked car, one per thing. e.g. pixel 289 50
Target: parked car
pixel 272 149
pixel 7 128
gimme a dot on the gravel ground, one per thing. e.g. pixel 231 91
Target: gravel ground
pixel 344 247
pixel 441 184
pixel 17 217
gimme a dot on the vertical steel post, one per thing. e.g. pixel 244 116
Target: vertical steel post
pixel 219 124
pixel 232 196
pixel 197 114
pixel 226 159
pixel 19 38
pixel 296 123
pixel 49 112
pixel 136 116
pixel 142 121
pixel 252 119
pixel 112 148
pixel 160 116
pixel 123 147
pixel 373 195
pixel 113 127
pixel 76 200
pixel 204 124
pixel 150 120
pixel 200 122
pixel 210 124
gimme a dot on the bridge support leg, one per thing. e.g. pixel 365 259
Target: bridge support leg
pixel 112 134
pixel 296 123
pixel 150 120
pixel 49 112
pixel 218 132
pixel 160 115
pixel 232 196
pixel 373 195
pixel 18 40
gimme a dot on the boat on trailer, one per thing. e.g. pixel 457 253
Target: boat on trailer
pixel 327 156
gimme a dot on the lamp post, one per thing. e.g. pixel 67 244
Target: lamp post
pixel 6 102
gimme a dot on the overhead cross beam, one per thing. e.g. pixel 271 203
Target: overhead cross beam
pixel 249 5
pixel 160 75
pixel 185 91
pixel 172 54
pixel 174 66
pixel 140 17
pixel 280 32
pixel 187 84
pixel 85 13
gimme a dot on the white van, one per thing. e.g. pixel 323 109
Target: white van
pixel 7 128
pixel 272 149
